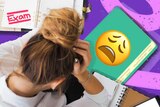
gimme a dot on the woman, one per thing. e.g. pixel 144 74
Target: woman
pixel 49 56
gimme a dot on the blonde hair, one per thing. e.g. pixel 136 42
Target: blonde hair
pixel 49 54
pixel 62 26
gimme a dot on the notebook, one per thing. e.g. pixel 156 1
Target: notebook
pixel 120 95
pixel 118 46
pixel 31 15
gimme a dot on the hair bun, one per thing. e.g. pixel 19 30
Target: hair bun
pixel 62 26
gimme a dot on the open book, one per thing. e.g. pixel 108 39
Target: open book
pixel 30 14
pixel 121 96
pixel 118 46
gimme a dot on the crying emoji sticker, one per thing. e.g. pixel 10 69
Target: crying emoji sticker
pixel 113 47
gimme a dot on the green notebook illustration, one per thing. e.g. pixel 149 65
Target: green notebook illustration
pixel 118 46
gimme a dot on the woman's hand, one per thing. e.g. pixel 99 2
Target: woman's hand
pixel 88 81
pixel 82 48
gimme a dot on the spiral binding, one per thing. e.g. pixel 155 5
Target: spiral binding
pixel 121 97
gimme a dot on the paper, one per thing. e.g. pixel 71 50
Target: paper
pixel 1 3
pixel 78 5
pixel 150 103
pixel 1 9
pixel 46 5
pixel 1 14
pixel 32 14
pixel 114 89
pixel 19 14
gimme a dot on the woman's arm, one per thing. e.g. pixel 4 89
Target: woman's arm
pixel 89 82
pixel 94 90
pixel 10 52
pixel 14 47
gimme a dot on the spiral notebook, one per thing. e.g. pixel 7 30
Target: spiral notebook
pixel 31 15
pixel 120 95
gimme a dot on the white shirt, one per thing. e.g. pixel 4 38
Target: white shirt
pixel 8 96
pixel 9 59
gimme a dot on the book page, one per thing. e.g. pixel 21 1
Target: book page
pixel 78 6
pixel 46 5
pixel 114 89
pixel 1 14
pixel 1 11
pixel 19 14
